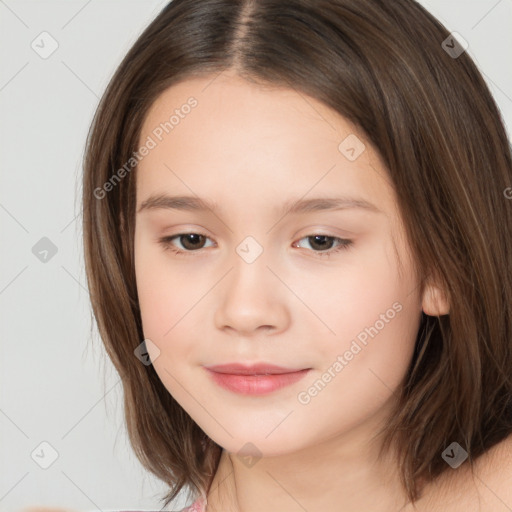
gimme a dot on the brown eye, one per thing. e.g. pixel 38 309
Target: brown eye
pixel 189 242
pixel 324 244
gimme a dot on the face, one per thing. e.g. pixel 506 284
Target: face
pixel 331 291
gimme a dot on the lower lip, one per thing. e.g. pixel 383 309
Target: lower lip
pixel 256 384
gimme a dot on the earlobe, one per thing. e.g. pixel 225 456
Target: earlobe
pixel 435 301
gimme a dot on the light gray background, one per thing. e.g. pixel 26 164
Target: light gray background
pixel 52 385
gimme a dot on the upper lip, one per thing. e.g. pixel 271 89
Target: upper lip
pixel 251 369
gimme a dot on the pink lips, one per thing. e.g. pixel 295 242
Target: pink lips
pixel 254 379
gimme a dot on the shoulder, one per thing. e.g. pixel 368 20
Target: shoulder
pixel 488 488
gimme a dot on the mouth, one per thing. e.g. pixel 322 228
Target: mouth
pixel 256 379
pixel 251 369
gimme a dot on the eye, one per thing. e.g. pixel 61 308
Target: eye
pixel 325 242
pixel 192 242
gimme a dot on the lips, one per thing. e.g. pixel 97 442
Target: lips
pixel 255 379
pixel 253 369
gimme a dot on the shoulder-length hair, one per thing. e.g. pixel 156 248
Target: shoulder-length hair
pixel 399 75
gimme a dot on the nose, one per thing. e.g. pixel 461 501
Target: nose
pixel 252 299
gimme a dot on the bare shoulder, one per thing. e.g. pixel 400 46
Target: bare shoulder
pixel 488 489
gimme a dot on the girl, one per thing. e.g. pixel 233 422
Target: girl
pixel 297 226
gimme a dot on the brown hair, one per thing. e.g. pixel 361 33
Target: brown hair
pixel 383 66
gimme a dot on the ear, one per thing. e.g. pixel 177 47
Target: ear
pixel 435 301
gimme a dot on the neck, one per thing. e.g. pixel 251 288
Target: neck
pixel 340 473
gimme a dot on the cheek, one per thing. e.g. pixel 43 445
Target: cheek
pixel 353 295
pixel 164 295
pixel 157 284
pixel 166 299
pixel 372 318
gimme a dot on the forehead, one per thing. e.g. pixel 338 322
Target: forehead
pixel 243 139
pixel 228 104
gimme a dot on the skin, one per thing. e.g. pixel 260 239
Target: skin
pixel 250 149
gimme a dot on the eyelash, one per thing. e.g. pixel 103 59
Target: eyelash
pixel 167 244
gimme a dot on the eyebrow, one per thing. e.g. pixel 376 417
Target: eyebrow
pixel 293 206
